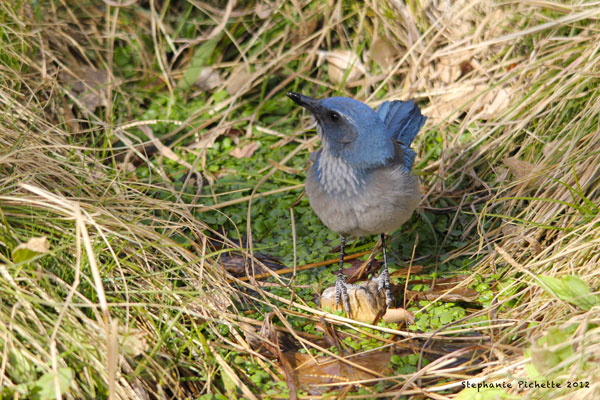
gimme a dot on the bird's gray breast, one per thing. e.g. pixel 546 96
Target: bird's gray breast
pixel 357 204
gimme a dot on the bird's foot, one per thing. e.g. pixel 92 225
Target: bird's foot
pixel 341 290
pixel 383 282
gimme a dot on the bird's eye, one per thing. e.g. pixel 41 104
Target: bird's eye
pixel 334 116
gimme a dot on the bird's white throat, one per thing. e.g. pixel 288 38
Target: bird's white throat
pixel 336 175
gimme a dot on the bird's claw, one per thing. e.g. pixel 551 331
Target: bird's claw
pixel 341 290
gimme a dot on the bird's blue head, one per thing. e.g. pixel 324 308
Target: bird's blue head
pixel 350 130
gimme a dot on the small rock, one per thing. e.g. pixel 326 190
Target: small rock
pixel 365 300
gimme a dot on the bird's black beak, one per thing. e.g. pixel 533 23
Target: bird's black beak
pixel 309 103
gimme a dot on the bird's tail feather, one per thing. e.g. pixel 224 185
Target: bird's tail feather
pixel 409 157
pixel 403 119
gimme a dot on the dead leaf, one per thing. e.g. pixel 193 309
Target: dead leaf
pixel 402 272
pixel 306 29
pixel 449 70
pixel 215 300
pixel 205 142
pixel 208 79
pixel 27 251
pixel 519 168
pixel 166 151
pixel 341 63
pixel 383 53
pixel 465 67
pixel 88 84
pixel 134 342
pixel 239 77
pixel 398 315
pixel 263 10
pixel 493 102
pixel 264 345
pixel 70 118
pixel 272 344
pixel 457 98
pixel 450 289
pixel 455 295
pixel 198 61
pixel 441 282
pixel 446 289
pixel 517 235
pixel 225 172
pixel 245 151
pixel 452 101
pixel 313 372
pixel 509 229
pixel 234 264
pixel 523 171
pixel 126 167
pixel 234 134
pixel 533 242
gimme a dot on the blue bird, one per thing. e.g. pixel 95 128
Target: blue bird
pixel 360 181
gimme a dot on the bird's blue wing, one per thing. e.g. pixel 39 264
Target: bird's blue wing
pixel 403 120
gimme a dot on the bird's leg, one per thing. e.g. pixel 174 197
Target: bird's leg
pixel 372 258
pixel 384 277
pixel 340 283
